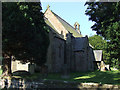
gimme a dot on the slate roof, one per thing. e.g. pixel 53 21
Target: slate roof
pixel 67 26
pixel 98 55
pixel 80 44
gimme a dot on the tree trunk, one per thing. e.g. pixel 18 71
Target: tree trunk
pixel 7 65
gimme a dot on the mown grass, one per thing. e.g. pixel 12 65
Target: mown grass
pixel 107 77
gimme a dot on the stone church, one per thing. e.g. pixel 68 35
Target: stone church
pixel 68 48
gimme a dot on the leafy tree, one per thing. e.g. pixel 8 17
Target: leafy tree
pixel 25 34
pixel 97 42
pixel 107 24
pixel 100 44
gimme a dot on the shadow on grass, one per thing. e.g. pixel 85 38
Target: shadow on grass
pixel 108 77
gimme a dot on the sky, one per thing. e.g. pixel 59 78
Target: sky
pixel 72 12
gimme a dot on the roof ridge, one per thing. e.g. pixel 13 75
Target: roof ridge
pixel 48 7
pixel 65 21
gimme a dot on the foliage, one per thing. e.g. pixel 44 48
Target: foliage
pixel 100 44
pixel 97 42
pixel 25 34
pixel 107 24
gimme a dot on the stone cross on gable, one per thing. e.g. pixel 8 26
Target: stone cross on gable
pixel 48 6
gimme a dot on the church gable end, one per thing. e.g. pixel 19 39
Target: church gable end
pixel 55 22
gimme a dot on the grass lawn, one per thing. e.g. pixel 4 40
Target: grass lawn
pixel 107 77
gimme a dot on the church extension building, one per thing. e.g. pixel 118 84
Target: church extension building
pixel 68 48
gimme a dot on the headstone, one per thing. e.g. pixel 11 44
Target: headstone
pixel 31 68
pixel 44 70
pixel 107 67
pixel 65 72
pixel 102 66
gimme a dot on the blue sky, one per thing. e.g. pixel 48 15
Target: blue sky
pixel 72 12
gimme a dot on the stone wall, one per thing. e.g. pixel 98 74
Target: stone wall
pixel 81 61
pixel 73 61
pixel 53 84
pixel 91 59
pixel 50 52
pixel 59 55
pixel 69 51
pixel 55 55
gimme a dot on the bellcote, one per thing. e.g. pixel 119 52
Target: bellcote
pixel 77 27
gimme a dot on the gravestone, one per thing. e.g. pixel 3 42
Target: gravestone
pixel 44 70
pixel 107 67
pixel 102 66
pixel 31 68
pixel 65 72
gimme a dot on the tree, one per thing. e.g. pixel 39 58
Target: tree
pixel 100 44
pixel 107 24
pixel 24 32
pixel 97 42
